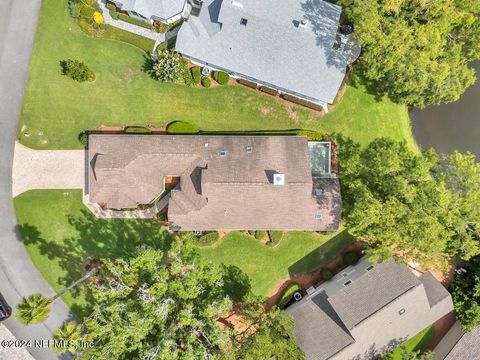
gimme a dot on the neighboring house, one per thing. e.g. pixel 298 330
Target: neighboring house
pixel 292 46
pixel 164 11
pixel 223 182
pixel 458 345
pixel 366 310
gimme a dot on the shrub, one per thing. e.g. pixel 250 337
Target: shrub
pixel 87 12
pixel 77 70
pixel 111 6
pixel 196 74
pixel 275 237
pixel 326 274
pixel 221 77
pixel 137 130
pixel 160 27
pixel 113 15
pixel 287 295
pixel 208 239
pixel 186 74
pixel 259 234
pixel 350 258
pixel 83 138
pixel 206 82
pixel 74 8
pixel 182 127
pixel 312 135
pixel 98 18
pixel 166 65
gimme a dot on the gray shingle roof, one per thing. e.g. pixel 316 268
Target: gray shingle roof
pixel 435 291
pixel 468 347
pixel 271 48
pixel 163 9
pixel 234 191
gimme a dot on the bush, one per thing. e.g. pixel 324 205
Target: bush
pixel 137 130
pixel 166 65
pixel 87 12
pixel 206 82
pixel 326 274
pixel 186 74
pixel 350 258
pixel 196 74
pixel 221 77
pixel 98 18
pixel 83 138
pixel 111 6
pixel 287 295
pixel 182 127
pixel 77 70
pixel 260 234
pixel 275 237
pixel 208 239
pixel 113 15
pixel 312 135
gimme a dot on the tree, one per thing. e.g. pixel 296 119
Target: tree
pixel 33 309
pixel 166 66
pixel 405 205
pixel 77 70
pixel 70 334
pixel 417 52
pixel 466 296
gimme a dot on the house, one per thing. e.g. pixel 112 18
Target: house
pixel 221 182
pixel 164 11
pixel 366 310
pixel 295 47
pixel 458 345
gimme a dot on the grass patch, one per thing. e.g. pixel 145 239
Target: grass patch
pixel 138 41
pixel 125 95
pixel 417 343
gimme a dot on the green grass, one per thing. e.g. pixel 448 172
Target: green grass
pixel 59 233
pixel 417 343
pixel 56 109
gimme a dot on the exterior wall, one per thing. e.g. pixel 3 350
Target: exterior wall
pixel 235 75
pixel 169 20
pixel 448 342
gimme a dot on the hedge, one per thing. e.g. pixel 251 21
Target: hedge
pixel 287 295
pixel 311 135
pixel 133 39
pixel 134 21
pixel 221 77
pixel 137 130
pixel 326 274
pixel 206 82
pixel 196 74
pixel 111 6
pixel 350 258
pixel 181 127
pixel 275 237
pixel 208 239
pixel 259 234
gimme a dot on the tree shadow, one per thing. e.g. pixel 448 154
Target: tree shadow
pixel 236 283
pixel 321 255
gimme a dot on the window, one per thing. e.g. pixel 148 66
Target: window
pixel 369 268
pixel 249 149
pixel 401 312
pixel 347 283
pixel 243 21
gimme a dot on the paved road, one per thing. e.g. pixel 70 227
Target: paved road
pixel 18 277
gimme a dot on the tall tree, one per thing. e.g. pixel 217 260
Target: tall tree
pixel 416 51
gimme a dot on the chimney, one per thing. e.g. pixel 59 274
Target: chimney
pixel 303 24
pixel 278 179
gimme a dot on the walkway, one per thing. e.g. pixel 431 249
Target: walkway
pixel 47 169
pixel 18 276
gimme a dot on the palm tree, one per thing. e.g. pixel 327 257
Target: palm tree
pixel 33 309
pixel 36 308
pixel 70 332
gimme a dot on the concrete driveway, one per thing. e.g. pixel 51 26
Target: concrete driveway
pixel 18 277
pixel 47 169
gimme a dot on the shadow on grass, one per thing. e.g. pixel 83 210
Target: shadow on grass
pixel 97 238
pixel 321 255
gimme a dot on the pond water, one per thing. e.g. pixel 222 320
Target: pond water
pixel 450 127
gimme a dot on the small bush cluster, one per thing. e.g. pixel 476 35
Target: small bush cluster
pixel 111 6
pixel 77 70
pixel 83 138
pixel 287 295
pixel 88 14
pixel 221 77
pixel 275 237
pixel 326 274
pixel 137 130
pixel 196 74
pixel 166 66
pixel 206 82
pixel 182 127
pixel 208 239
pixel 350 258
pixel 259 234
pixel 312 135
pixel 186 74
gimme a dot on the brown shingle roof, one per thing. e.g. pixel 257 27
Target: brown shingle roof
pixel 222 185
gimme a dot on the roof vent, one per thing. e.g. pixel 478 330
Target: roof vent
pixel 249 149
pixel 346 29
pixel 369 268
pixel 278 179
pixel 318 216
pixel 237 4
pixel 222 153
pixel 303 23
pixel 347 283
pixel 243 21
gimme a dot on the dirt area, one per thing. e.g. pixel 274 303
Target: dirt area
pixel 307 280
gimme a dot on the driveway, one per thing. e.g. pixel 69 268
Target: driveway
pixel 47 169
pixel 18 277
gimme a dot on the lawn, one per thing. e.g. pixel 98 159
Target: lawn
pixel 56 109
pixel 59 233
pixel 417 343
